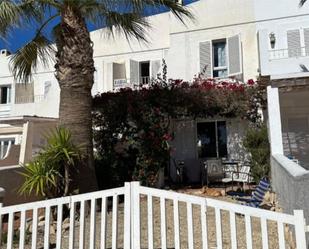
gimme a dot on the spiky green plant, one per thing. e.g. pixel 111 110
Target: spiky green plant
pixel 48 175
pixel 73 51
pixel 40 178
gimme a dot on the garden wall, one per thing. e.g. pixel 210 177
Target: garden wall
pixel 290 182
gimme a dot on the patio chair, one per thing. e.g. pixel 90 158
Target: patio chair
pixel 215 170
pixel 257 195
pixel 179 166
pixel 242 176
pixel 228 175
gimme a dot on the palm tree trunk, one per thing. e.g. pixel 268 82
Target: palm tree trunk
pixel 74 72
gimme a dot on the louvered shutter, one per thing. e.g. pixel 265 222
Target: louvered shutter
pixel 294 46
pixel 234 55
pixel 206 58
pixel 109 76
pixel 47 86
pixel 134 72
pixel 306 37
pixel 155 68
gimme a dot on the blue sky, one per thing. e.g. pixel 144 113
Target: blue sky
pixel 20 37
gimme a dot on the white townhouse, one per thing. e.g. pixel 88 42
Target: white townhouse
pixel 246 39
pixel 222 38
pixel 283 39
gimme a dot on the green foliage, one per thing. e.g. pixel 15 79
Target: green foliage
pixel 133 130
pixel 48 174
pixel 40 177
pixel 257 144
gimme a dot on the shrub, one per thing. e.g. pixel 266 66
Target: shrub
pixel 257 144
pixel 132 127
pixel 48 175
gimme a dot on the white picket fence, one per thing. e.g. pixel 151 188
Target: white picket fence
pixel 117 218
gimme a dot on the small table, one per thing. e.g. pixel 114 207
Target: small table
pixel 234 163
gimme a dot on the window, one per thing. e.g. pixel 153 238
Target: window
pixel 5 94
pixel 4 146
pixel 212 139
pixel 219 59
pixel 144 72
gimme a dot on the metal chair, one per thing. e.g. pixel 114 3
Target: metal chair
pixel 179 166
pixel 215 170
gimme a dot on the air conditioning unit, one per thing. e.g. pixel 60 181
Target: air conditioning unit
pixel 4 52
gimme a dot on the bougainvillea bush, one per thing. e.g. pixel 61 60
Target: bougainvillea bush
pixel 132 127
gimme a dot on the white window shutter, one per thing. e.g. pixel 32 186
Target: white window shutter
pixel 109 76
pixel 234 55
pixel 47 86
pixel 134 72
pixel 155 68
pixel 294 45
pixel 306 37
pixel 206 58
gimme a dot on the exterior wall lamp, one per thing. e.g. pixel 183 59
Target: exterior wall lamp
pixel 272 39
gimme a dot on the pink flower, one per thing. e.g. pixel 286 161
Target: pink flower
pixel 251 82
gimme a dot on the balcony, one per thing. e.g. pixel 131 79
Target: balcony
pixel 144 80
pixel 280 54
pixel 120 83
pixel 29 99
pixel 282 62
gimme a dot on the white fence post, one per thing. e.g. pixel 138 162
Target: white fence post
pixel 135 216
pixel 127 216
pixel 300 229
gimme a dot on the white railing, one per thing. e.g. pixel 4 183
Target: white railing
pixel 55 211
pixel 139 217
pixel 120 83
pixel 279 54
pixel 144 80
pixel 29 99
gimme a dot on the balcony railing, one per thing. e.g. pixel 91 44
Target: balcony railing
pixel 119 83
pixel 29 99
pixel 144 80
pixel 279 54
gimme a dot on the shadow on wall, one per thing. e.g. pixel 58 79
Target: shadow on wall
pixel 296 140
pixel 236 134
pixel 12 158
pixel 11 180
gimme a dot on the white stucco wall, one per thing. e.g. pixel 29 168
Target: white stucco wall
pixel 184 145
pixel 272 17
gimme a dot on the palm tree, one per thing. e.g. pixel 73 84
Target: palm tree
pixel 73 52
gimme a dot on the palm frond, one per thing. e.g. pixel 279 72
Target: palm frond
pixel 9 15
pixel 25 61
pixel 128 16
pixel 131 24
pixel 302 2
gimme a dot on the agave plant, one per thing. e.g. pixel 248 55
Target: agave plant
pixel 48 174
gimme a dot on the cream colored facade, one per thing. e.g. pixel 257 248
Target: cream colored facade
pixel 243 27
